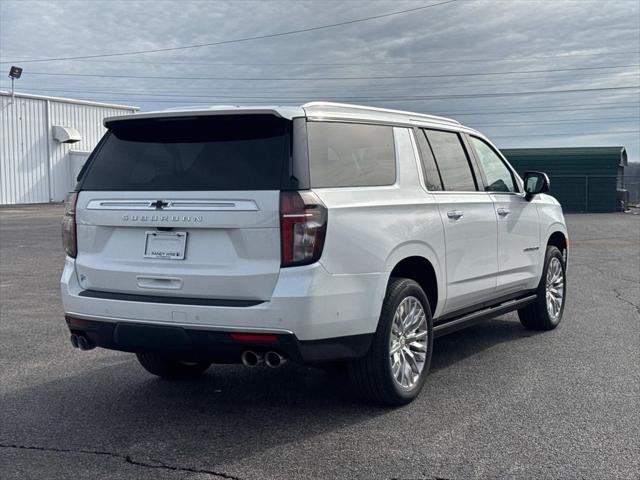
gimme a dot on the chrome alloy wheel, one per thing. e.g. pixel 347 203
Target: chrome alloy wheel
pixel 555 288
pixel 408 342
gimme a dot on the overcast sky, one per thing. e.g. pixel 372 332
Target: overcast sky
pixel 464 37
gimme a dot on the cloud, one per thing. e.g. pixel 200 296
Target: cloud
pixel 474 36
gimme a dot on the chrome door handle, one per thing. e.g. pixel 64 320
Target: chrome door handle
pixel 503 212
pixel 455 214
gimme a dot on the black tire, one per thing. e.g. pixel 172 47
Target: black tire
pixel 535 316
pixel 371 375
pixel 172 368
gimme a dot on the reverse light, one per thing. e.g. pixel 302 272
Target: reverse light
pixel 303 225
pixel 69 236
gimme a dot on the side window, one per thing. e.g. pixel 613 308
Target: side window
pixel 499 177
pixel 430 172
pixel 351 155
pixel 453 163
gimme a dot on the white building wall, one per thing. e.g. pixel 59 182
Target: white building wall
pixel 35 168
pixel 24 166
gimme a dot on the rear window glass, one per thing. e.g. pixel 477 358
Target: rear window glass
pixel 243 152
pixel 351 155
pixel 453 163
pixel 429 167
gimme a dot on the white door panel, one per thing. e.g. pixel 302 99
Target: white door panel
pixel 518 243
pixel 471 247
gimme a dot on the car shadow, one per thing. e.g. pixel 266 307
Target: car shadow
pixel 460 345
pixel 227 415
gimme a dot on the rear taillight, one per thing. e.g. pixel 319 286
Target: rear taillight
pixel 303 224
pixel 69 237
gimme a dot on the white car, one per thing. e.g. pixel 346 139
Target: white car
pixel 319 233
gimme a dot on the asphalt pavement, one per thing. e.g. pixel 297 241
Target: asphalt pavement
pixel 501 401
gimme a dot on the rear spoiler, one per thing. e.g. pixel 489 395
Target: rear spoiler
pixel 286 112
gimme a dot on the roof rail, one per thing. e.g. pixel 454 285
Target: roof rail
pixel 362 108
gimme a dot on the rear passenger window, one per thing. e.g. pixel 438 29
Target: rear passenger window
pixel 351 155
pixel 452 160
pixel 429 168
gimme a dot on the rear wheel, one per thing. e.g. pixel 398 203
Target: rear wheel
pixel 167 367
pixel 395 368
pixel 546 311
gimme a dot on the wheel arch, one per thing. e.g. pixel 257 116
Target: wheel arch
pixel 419 262
pixel 558 239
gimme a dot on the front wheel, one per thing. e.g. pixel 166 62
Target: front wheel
pixel 396 366
pixel 546 311
pixel 168 367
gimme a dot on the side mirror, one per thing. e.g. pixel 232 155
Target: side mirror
pixel 535 183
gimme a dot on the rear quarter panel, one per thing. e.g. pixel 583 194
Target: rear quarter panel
pixel 371 229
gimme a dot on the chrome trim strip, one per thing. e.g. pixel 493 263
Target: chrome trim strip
pixel 214 205
pixel 190 326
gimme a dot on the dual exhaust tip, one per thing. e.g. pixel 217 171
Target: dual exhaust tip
pixel 82 342
pixel 271 359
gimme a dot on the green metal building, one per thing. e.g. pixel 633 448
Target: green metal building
pixel 583 179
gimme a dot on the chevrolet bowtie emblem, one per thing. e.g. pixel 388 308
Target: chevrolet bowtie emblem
pixel 159 204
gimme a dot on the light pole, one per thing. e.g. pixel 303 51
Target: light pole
pixel 14 72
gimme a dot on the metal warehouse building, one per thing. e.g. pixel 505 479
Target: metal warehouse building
pixel 583 179
pixel 43 143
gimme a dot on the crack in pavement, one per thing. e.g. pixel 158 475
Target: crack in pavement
pixel 615 291
pixel 620 297
pixel 421 478
pixel 127 458
pixel 575 265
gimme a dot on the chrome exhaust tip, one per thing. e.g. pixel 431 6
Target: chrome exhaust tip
pixel 274 359
pixel 84 343
pixel 251 358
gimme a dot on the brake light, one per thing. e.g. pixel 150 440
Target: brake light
pixel 303 225
pixel 69 236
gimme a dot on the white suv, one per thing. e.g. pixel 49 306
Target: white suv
pixel 318 233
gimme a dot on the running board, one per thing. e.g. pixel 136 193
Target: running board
pixel 465 321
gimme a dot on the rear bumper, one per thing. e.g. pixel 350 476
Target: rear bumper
pixel 308 304
pixel 220 346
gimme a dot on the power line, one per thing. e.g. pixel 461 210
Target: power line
pixel 349 64
pixel 508 94
pixel 542 109
pixel 585 134
pixel 368 77
pixel 558 110
pixel 556 107
pixel 569 121
pixel 227 93
pixel 320 90
pixel 239 40
pixel 559 123
pixel 292 101
pixel 472 95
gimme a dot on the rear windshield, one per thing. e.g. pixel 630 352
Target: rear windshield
pixel 235 152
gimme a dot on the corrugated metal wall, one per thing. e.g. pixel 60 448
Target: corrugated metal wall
pixel 35 168
pixel 87 119
pixel 583 179
pixel 24 165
